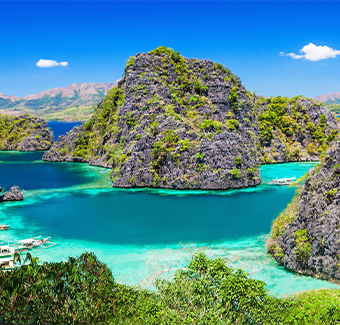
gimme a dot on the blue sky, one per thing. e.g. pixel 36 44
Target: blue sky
pixel 96 39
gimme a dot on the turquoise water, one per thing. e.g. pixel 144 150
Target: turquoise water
pixel 140 232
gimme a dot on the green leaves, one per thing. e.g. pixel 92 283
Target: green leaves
pixel 83 291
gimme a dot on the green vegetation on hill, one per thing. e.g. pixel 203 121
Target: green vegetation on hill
pixel 83 290
pixel 69 114
pixel 288 121
pixel 50 101
pixel 333 107
pixel 333 101
pixel 98 126
pixel 25 133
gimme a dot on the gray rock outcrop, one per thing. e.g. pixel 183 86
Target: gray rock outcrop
pixel 310 243
pixel 293 129
pixel 172 122
pixel 14 194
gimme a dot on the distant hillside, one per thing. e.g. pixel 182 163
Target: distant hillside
pixel 74 102
pixel 332 98
pixel 331 101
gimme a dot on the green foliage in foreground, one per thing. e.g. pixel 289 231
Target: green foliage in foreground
pixel 83 291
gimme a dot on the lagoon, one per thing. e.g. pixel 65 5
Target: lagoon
pixel 134 231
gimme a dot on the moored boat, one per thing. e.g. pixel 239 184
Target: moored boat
pixel 3 227
pixel 283 181
pixel 34 243
pixel 6 251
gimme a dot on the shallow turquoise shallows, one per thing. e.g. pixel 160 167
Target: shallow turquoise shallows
pixel 139 232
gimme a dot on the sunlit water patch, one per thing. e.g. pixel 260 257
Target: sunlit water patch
pixel 138 232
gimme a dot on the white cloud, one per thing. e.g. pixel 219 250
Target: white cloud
pixel 50 64
pixel 312 52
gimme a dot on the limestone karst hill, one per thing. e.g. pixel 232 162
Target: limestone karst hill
pixel 293 129
pixel 305 237
pixel 24 133
pixel 174 122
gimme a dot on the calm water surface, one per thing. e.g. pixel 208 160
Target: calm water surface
pixel 60 128
pixel 131 229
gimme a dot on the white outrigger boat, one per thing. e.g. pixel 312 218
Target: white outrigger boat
pixel 8 250
pixel 283 181
pixel 8 264
pixel 7 258
pixel 34 243
pixel 4 227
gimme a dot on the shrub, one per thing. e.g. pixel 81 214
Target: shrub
pixel 303 246
pixel 233 99
pixel 200 156
pixel 312 148
pixel 156 180
pixel 207 124
pixel 232 125
pixel 238 160
pixel 130 61
pixel 162 50
pixel 331 193
pixel 235 173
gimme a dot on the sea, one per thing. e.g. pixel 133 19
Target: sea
pixel 142 234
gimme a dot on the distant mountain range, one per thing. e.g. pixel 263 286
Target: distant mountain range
pixel 77 94
pixel 72 103
pixel 331 98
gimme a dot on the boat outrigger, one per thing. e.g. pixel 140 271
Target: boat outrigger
pixel 34 243
pixel 10 248
pixel 283 181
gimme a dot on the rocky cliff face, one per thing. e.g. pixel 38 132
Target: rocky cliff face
pixel 296 129
pixel 172 122
pixel 181 123
pixel 24 133
pixel 306 236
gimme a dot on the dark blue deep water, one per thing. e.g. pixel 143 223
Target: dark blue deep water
pixel 61 128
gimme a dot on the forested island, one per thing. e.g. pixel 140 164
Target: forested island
pixel 180 123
